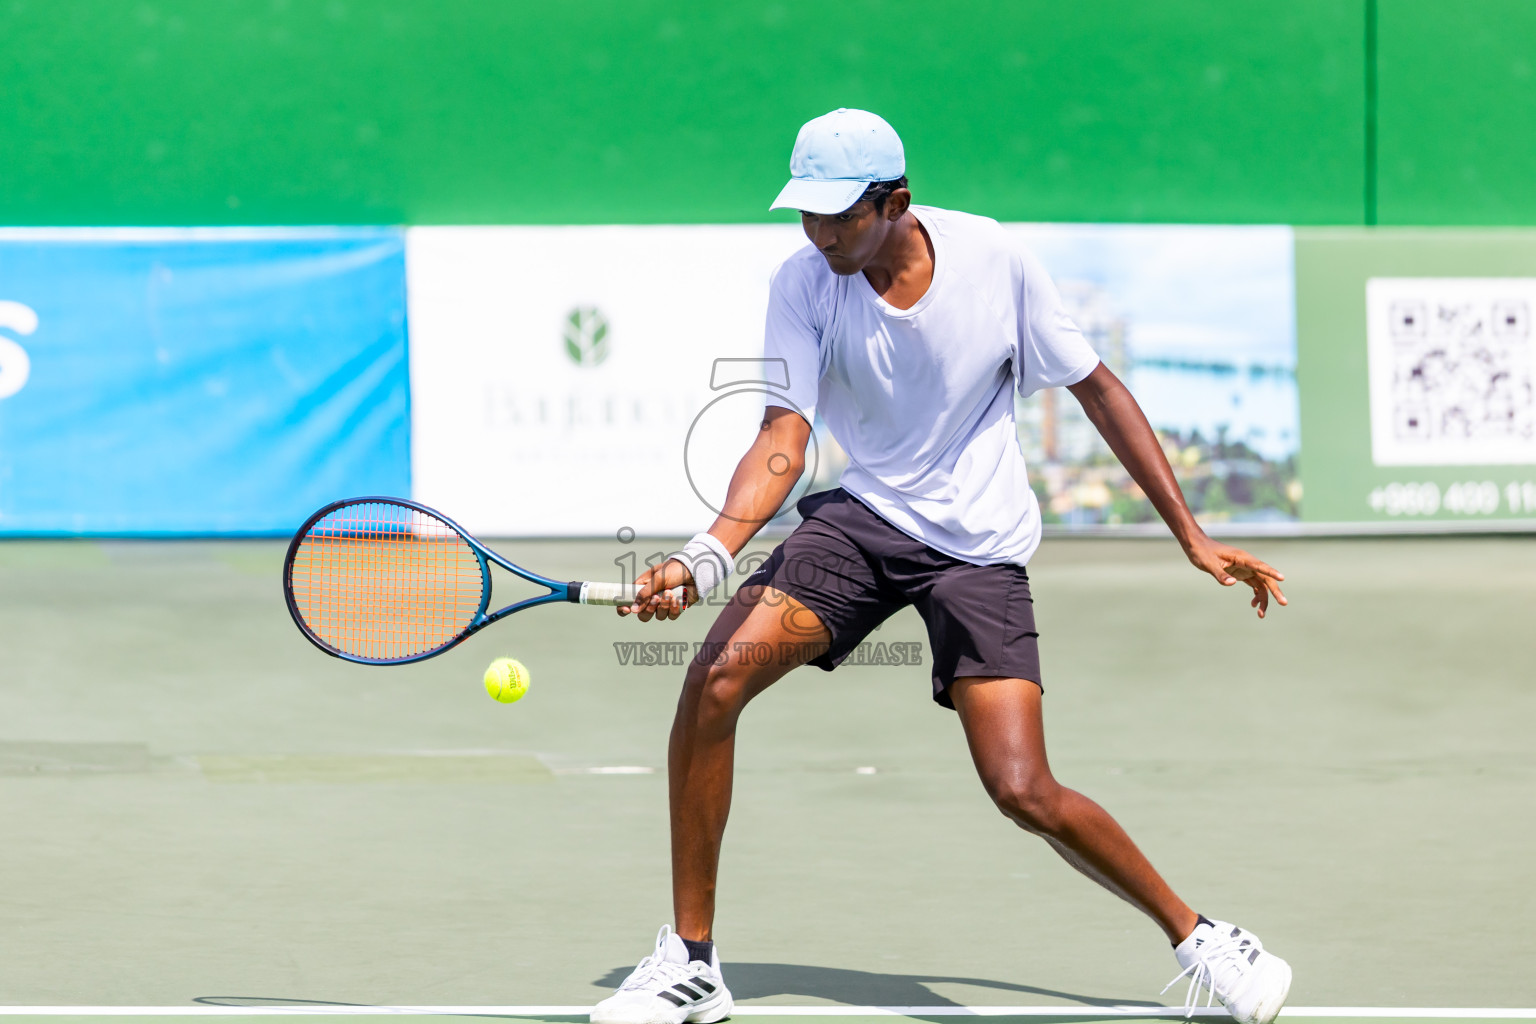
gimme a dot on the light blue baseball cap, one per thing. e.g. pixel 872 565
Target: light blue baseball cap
pixel 836 156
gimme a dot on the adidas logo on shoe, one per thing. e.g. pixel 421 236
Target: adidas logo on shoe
pixel 668 987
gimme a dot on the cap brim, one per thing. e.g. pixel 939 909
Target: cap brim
pixel 814 196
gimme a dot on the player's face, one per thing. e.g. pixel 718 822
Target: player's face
pixel 849 240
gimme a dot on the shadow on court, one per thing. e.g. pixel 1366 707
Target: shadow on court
pixel 864 988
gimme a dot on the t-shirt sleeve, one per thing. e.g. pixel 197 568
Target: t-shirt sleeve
pixel 792 336
pixel 1052 350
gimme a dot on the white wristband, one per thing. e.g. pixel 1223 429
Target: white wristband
pixel 709 560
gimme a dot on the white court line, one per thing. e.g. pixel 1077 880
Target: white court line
pixel 1458 1013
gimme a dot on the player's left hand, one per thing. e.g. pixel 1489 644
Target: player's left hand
pixel 1231 565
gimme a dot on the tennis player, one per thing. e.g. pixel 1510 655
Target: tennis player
pixel 909 327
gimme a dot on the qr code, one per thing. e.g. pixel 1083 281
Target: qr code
pixel 1452 370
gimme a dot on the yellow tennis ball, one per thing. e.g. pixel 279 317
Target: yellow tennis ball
pixel 507 680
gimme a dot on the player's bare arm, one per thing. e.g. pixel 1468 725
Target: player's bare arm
pixel 763 479
pixel 1114 412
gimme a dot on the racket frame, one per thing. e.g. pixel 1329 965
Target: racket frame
pixel 558 591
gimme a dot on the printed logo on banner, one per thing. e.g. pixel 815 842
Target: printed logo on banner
pixel 586 336
pixel 1452 371
pixel 742 384
pixel 15 364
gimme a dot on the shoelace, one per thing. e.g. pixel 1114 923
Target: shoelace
pixel 1229 950
pixel 656 966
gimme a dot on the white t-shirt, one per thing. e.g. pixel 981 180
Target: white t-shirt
pixel 921 399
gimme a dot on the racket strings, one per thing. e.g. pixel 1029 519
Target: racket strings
pixel 382 581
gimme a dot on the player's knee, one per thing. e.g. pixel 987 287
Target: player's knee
pixel 1033 802
pixel 721 691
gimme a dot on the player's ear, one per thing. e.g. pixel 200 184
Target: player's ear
pixel 897 203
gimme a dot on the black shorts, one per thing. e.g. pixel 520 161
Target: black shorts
pixel 854 570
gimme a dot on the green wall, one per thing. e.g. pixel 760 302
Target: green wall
pixel 1456 115
pixel 499 111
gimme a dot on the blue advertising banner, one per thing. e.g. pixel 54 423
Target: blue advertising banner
pixel 198 380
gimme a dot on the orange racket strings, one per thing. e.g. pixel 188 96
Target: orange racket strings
pixel 383 581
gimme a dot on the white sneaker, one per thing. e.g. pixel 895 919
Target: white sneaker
pixel 1234 966
pixel 669 988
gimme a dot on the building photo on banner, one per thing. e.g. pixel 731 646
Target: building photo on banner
pixel 1200 323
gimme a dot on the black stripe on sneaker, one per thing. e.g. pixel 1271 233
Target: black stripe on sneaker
pixel 674 1000
pixel 685 990
pixel 701 983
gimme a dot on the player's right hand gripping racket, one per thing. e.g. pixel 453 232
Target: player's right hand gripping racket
pixel 386 581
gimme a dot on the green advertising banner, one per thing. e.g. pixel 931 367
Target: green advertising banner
pixel 1416 364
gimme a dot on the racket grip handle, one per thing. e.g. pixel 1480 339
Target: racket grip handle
pixel 616 593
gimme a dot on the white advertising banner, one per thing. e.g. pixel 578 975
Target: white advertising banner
pixel 564 379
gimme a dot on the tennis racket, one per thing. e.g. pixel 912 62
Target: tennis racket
pixel 386 581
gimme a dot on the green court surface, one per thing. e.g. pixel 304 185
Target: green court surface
pixel 205 814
